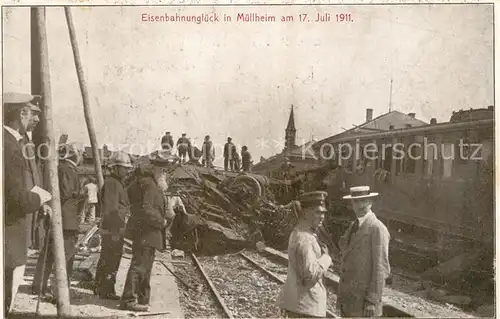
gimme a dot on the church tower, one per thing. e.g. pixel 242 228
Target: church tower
pixel 290 132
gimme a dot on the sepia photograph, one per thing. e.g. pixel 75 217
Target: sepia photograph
pixel 326 160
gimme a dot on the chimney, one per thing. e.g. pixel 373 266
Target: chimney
pixel 412 115
pixel 391 127
pixel 369 115
pixel 408 125
pixel 433 120
pixel 490 107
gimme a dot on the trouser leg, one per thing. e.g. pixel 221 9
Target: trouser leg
pixel 109 263
pixel 148 258
pixel 226 160
pixel 83 211
pixel 45 265
pixel 8 283
pixel 91 217
pixel 135 275
pixel 70 239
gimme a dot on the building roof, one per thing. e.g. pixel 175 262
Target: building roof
pixel 294 153
pixel 396 119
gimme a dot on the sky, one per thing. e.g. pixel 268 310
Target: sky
pixel 239 79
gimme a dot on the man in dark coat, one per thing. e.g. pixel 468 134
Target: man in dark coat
pixel 167 141
pixel 18 199
pixel 183 145
pixel 115 211
pixel 146 229
pixel 72 198
pixel 246 159
pixel 208 152
pixel 229 150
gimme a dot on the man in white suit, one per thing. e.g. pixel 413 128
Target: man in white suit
pixel 365 259
pixel 304 294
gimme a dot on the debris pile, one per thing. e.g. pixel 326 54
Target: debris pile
pixel 226 211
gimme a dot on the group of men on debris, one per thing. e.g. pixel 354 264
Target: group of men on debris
pixel 233 161
pixel 143 212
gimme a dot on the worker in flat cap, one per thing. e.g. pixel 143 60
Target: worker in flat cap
pixel 167 142
pixel 304 294
pixel 146 230
pixel 365 259
pixel 183 145
pixel 72 196
pixel 115 210
pixel 21 197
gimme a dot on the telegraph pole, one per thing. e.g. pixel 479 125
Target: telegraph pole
pixel 390 98
pixel 40 72
pixel 85 97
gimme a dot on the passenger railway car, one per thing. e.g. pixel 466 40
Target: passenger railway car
pixel 435 182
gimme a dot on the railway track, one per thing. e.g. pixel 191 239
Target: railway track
pixel 241 285
pixel 247 285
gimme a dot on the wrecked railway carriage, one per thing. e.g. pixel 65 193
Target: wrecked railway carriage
pixel 225 211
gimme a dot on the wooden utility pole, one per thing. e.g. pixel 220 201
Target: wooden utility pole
pixel 63 305
pixel 85 97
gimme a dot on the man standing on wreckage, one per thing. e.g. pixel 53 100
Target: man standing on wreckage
pixel 146 229
pixel 304 294
pixel 115 209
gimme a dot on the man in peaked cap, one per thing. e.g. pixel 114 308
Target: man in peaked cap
pixel 20 200
pixel 115 211
pixel 365 259
pixel 32 112
pixel 304 294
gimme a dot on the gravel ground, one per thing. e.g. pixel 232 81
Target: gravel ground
pixel 404 292
pixel 246 291
pixel 196 302
pixel 281 271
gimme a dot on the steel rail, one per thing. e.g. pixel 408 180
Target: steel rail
pixel 276 278
pixel 212 287
pixel 390 309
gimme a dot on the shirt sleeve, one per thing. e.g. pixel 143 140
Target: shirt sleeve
pixel 310 268
pixel 19 199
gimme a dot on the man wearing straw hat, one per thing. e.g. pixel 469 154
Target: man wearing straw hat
pixel 115 209
pixel 304 294
pixel 365 259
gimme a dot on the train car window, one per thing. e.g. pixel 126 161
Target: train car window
pixel 428 160
pixel 387 159
pixel 448 156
